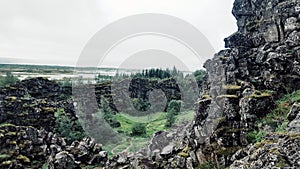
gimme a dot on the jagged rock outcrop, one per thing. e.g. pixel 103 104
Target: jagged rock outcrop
pixel 135 88
pixel 27 147
pixel 280 151
pixel 260 65
pixel 275 150
pixel 294 117
pixel 31 102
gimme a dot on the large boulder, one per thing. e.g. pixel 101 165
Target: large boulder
pixel 294 117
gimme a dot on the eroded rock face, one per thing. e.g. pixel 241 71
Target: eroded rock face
pixel 264 56
pixel 294 117
pixel 274 151
pixel 24 146
pixel 32 102
pixel 64 160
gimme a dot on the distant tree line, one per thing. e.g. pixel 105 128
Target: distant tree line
pixel 158 73
pixel 153 73
pixel 8 79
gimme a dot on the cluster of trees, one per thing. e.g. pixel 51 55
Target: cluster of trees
pixel 67 127
pixel 154 73
pixel 140 104
pixel 172 111
pixel 8 79
pixel 199 76
pixel 159 73
pixel 108 114
pixel 102 78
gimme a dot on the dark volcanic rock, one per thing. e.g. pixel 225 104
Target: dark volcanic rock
pixel 280 151
pixel 64 160
pixel 24 146
pixel 31 102
pixel 294 117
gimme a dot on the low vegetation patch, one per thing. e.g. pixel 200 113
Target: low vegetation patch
pixel 8 79
pixel 277 119
pixel 138 130
pixel 66 127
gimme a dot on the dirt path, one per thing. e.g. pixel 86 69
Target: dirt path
pixel 113 150
pixel 126 150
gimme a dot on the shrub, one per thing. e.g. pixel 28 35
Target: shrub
pixel 199 75
pixel 282 127
pixel 140 104
pixel 138 129
pixel 255 136
pixel 174 106
pixel 70 129
pixel 170 116
pixel 173 110
pixel 108 114
pixel 208 165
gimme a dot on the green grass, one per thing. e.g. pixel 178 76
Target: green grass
pixel 185 116
pixel 277 119
pixel 154 123
pixel 142 119
pixel 291 98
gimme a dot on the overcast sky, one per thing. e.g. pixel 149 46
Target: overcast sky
pixel 56 31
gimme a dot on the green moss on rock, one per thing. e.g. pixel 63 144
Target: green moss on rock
pixel 7 125
pixel 227 96
pixel 184 152
pixel 11 134
pixel 226 151
pixel 231 87
pixel 49 109
pixel 23 158
pixel 4 157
